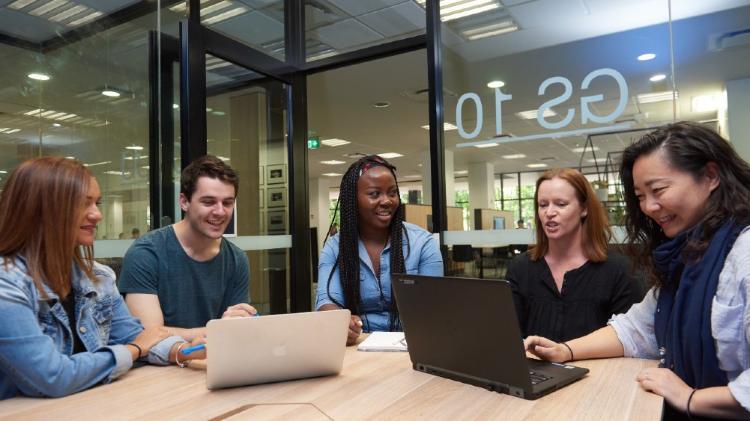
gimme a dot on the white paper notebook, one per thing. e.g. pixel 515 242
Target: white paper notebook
pixel 384 341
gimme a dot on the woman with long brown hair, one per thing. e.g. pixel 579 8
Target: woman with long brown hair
pixel 65 326
pixel 569 284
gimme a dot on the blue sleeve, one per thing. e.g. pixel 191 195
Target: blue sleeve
pixel 33 362
pixel 430 259
pixel 140 270
pixel 327 262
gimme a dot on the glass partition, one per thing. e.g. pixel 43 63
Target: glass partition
pixel 533 85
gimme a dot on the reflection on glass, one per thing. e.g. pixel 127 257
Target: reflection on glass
pixel 85 97
pixel 245 117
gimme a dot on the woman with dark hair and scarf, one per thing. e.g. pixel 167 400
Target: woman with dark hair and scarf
pixel 373 242
pixel 687 194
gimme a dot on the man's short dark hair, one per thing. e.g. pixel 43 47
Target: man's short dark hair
pixel 207 166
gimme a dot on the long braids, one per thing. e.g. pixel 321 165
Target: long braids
pixel 348 257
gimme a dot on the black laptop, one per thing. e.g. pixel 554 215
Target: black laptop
pixel 467 330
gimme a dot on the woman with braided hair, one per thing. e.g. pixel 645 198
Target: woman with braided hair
pixel 356 264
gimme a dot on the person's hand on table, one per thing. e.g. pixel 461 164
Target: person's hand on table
pixel 665 383
pixel 547 349
pixel 239 310
pixel 355 329
pixel 196 355
pixel 148 337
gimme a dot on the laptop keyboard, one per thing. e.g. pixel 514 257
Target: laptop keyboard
pixel 537 378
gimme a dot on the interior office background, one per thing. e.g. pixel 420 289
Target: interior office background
pixel 513 87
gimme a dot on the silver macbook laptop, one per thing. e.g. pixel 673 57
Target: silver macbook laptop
pixel 274 348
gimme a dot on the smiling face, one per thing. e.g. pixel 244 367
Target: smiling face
pixel 377 198
pixel 674 199
pixel 560 212
pixel 86 228
pixel 210 208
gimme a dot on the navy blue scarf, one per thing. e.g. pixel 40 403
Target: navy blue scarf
pixel 682 320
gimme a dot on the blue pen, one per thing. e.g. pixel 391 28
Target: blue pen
pixel 192 349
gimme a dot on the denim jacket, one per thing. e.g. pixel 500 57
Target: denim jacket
pixel 36 342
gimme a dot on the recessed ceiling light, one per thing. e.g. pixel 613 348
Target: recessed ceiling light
pixel 461 172
pixel 332 162
pixel 531 114
pixel 134 148
pixel 223 158
pixel 381 104
pixel 110 93
pixel 514 156
pixel 389 155
pixel 335 142
pixel 219 113
pixel 589 148
pixel 331 174
pixel 70 157
pixel 597 160
pixel 658 77
pixel 496 84
pixel 98 163
pixel 486 145
pixel 446 127
pixel 56 125
pixel 38 76
pixel 646 57
pixel 540 165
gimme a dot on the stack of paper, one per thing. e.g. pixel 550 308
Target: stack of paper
pixel 384 341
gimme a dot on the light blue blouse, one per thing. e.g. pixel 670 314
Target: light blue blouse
pixel 730 322
pixel 421 256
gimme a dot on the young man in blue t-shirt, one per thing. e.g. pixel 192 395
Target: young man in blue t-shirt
pixel 183 275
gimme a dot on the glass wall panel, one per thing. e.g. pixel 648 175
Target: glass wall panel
pixel 532 85
pixel 246 126
pixel 369 109
pixel 75 84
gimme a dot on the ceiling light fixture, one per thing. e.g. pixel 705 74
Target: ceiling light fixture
pixel 332 162
pixel 657 96
pixel 134 148
pixel 708 103
pixel 646 57
pixel 486 145
pixel 110 93
pixel 381 104
pixel 331 174
pixel 224 16
pixel 532 114
pixel 38 76
pixel 514 156
pixel 586 148
pixel 335 142
pixel 390 155
pixel 446 127
pixel 492 30
pixel 658 77
pixel 496 84
pixel 540 165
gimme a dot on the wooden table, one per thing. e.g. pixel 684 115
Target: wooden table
pixel 371 386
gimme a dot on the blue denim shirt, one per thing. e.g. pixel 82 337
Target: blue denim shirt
pixel 36 342
pixel 423 258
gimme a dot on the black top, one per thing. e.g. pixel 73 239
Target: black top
pixel 68 304
pixel 590 294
